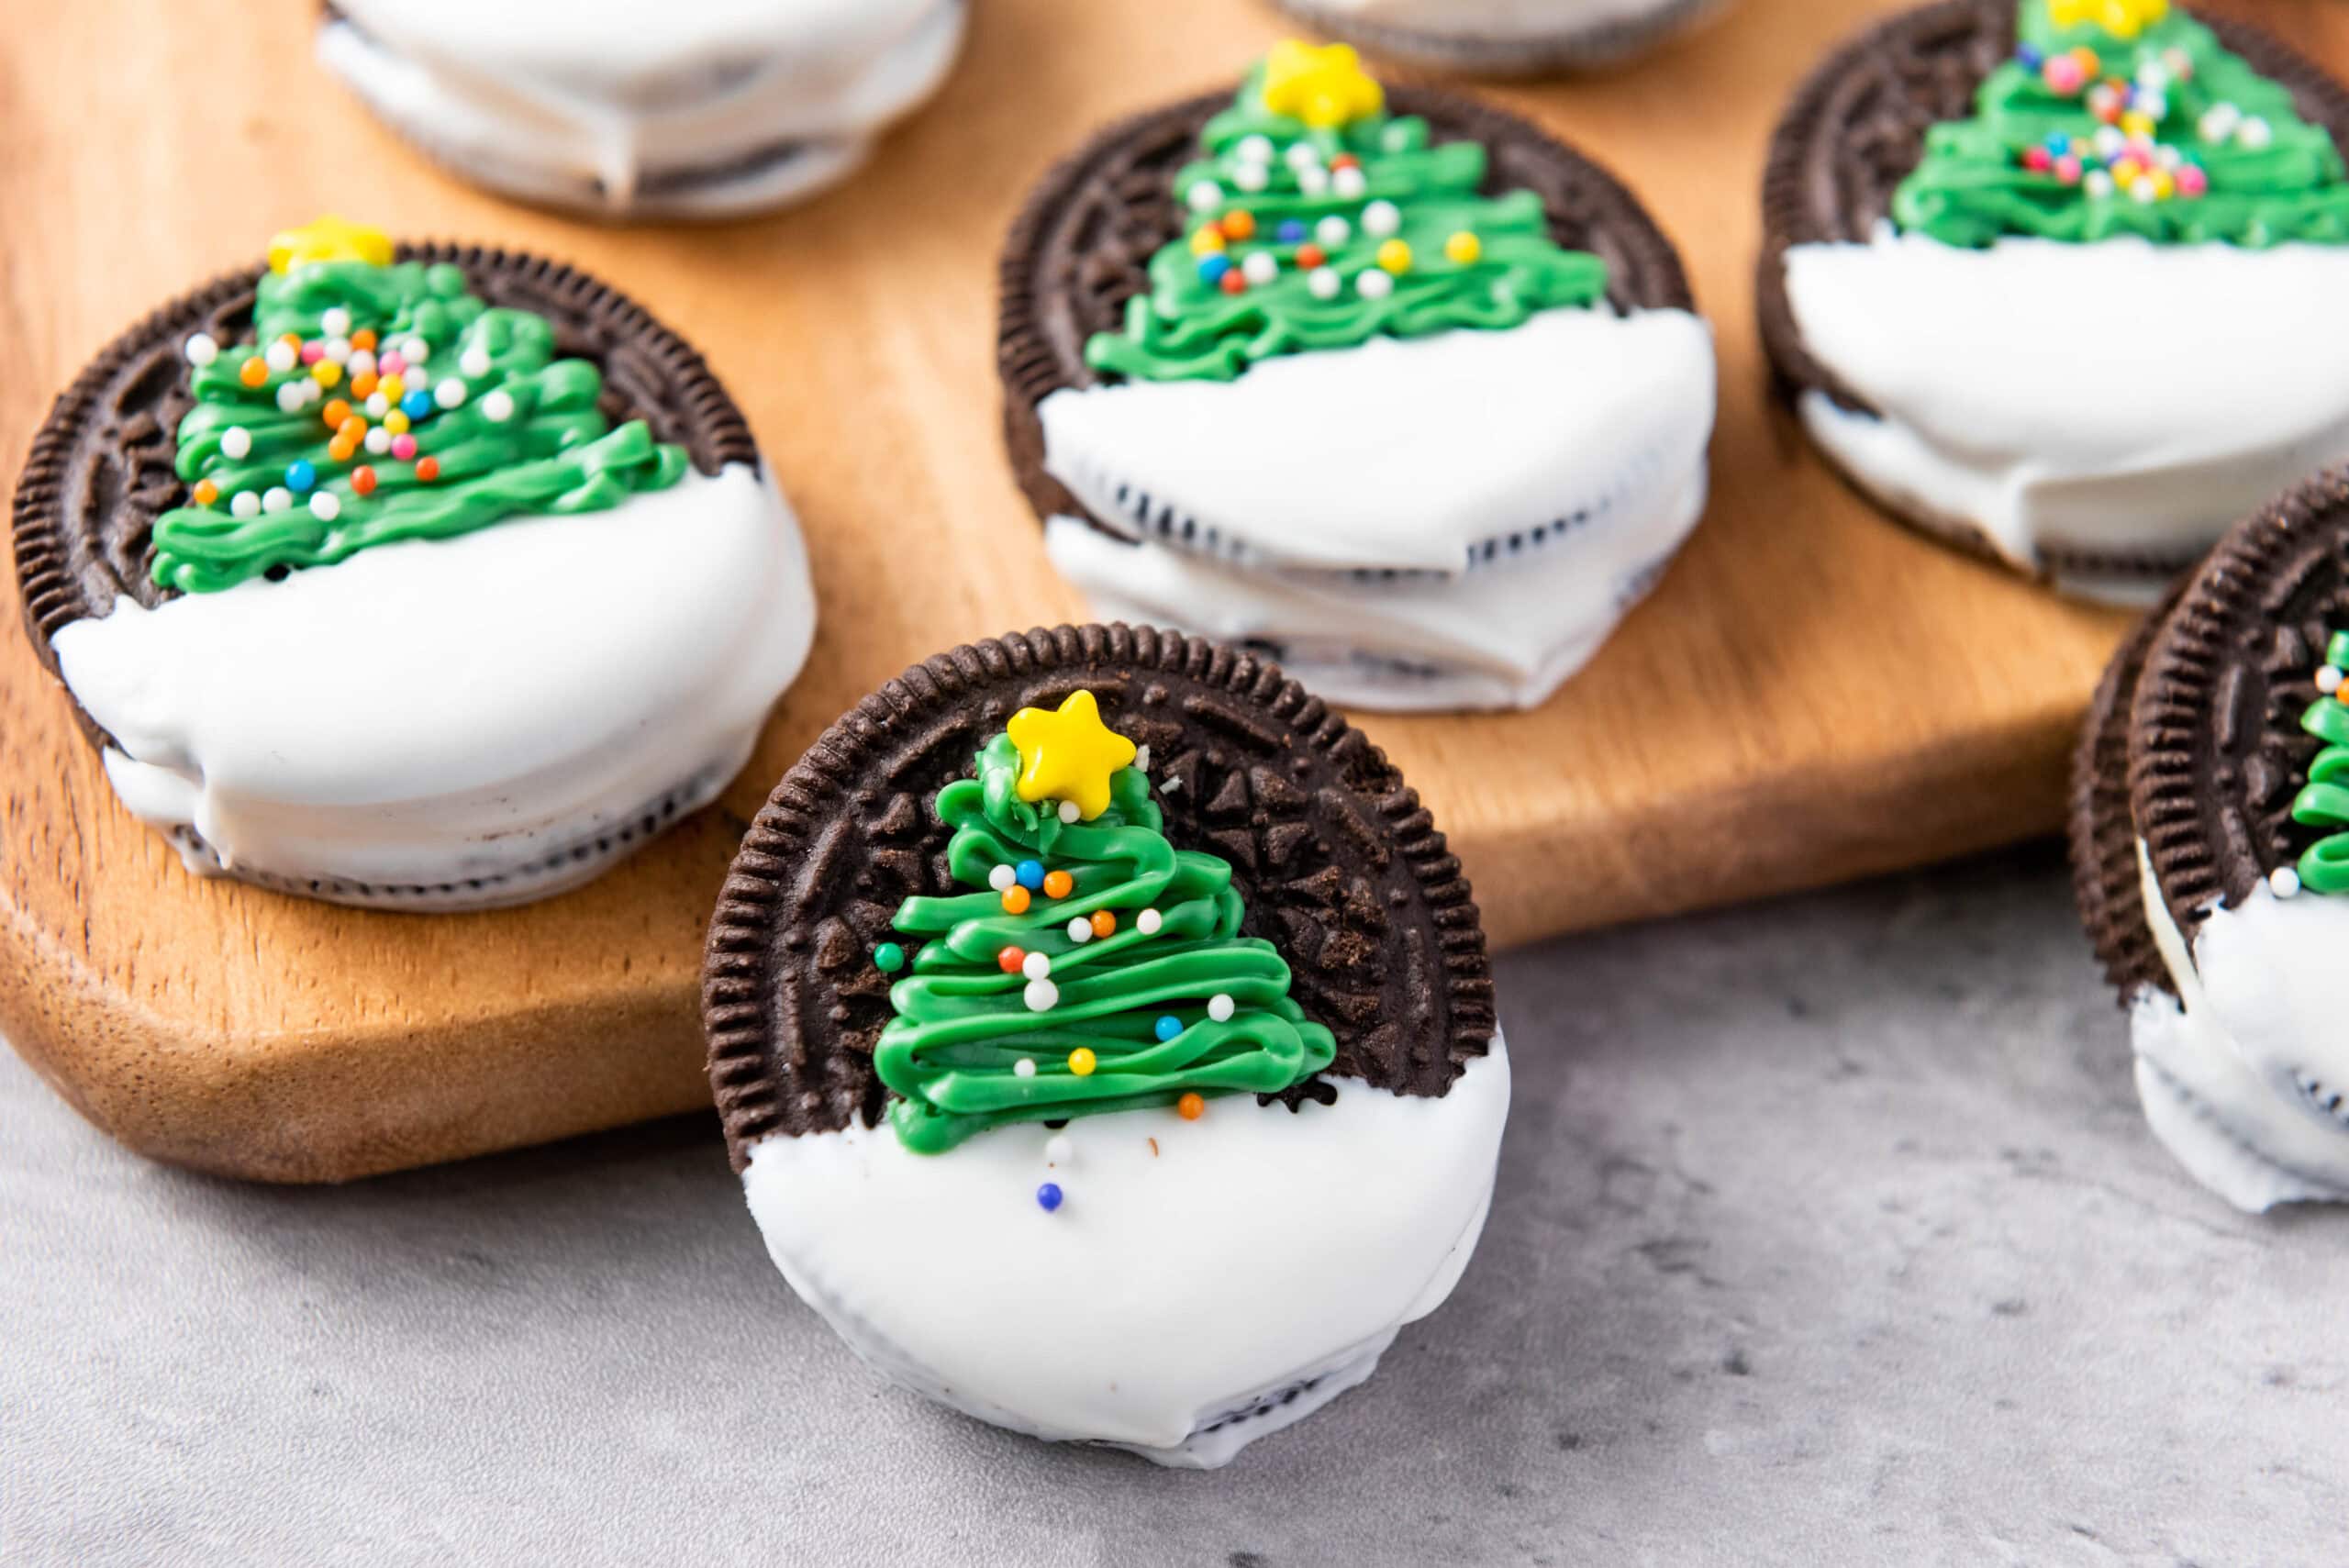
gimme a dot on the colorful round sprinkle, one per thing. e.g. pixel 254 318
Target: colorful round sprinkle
pixel 1191 1105
pixel 888 958
pixel 1036 965
pixel 1015 901
pixel 244 503
pixel 1104 923
pixel 1030 874
pixel 1148 922
pixel 1070 811
pixel 300 476
pixel 363 478
pixel 1058 884
pixel 403 446
pixel 2284 881
pixel 326 506
pixel 205 492
pixel 202 349
pixel 1220 1006
pixel 1167 1027
pixel 1012 958
pixel 1002 877
pixel 253 371
pixel 1024 1068
pixel 499 406
pixel 1292 231
pixel 1041 995
pixel 1381 217
pixel 428 468
pixel 1462 248
pixel 236 441
pixel 1048 1197
pixel 1082 1062
pixel 1059 1150
pixel 1080 930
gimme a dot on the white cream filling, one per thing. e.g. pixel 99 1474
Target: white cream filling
pixel 2236 1072
pixel 1193 1270
pixel 1481 20
pixel 434 712
pixel 2117 397
pixel 565 103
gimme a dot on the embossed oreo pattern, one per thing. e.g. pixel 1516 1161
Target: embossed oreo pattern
pixel 1081 247
pixel 2101 834
pixel 100 471
pixel 1340 866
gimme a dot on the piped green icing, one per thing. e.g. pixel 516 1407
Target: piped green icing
pixel 963 1024
pixel 2323 801
pixel 553 452
pixel 1185 326
pixel 2265 176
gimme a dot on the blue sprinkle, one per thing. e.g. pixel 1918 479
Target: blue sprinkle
pixel 1212 268
pixel 300 476
pixel 2058 143
pixel 1292 231
pixel 2030 56
pixel 417 404
pixel 1048 1197
pixel 1169 1026
pixel 1030 874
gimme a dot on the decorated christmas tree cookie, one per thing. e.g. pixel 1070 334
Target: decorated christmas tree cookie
pixel 1394 387
pixel 1923 308
pixel 371 585
pixel 1106 965
pixel 2211 857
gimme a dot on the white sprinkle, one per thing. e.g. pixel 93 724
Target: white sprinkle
pixel 236 441
pixel 2153 75
pixel 1251 177
pixel 361 361
pixel 2218 122
pixel 289 395
pixel 2169 157
pixel 244 503
pixel 1024 1068
pixel 1312 179
pixel 2109 141
pixel 1348 184
pixel 2284 881
pixel 1260 268
pixel 2097 183
pixel 1069 813
pixel 2154 105
pixel 377 440
pixel 311 391
pixel 1041 995
pixel 496 406
pixel 1381 218
pixel 1396 139
pixel 1148 922
pixel 1256 148
pixel 324 505
pixel 2255 134
pixel 1080 930
pixel 335 322
pixel 1059 1150
pixel 415 351
pixel 338 351
pixel 1323 282
pixel 2328 679
pixel 279 356
pixel 450 393
pixel 475 361
pixel 1333 231
pixel 2143 189
pixel 1003 878
pixel 378 405
pixel 1221 1007
pixel 202 349
pixel 276 498
pixel 1375 284
pixel 1302 155
pixel 1141 758
pixel 1036 965
pixel 1205 195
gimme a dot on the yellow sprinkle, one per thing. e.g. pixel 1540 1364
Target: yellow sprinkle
pixel 2137 123
pixel 1081 1061
pixel 395 422
pixel 1207 241
pixel 325 372
pixel 391 386
pixel 1394 256
pixel 1463 248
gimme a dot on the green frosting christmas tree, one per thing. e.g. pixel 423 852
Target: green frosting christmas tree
pixel 1319 221
pixel 382 401
pixel 2126 118
pixel 1094 968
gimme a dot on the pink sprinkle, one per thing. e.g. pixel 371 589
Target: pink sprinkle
pixel 2064 74
pixel 312 351
pixel 391 363
pixel 2192 181
pixel 2038 160
pixel 403 446
pixel 2067 168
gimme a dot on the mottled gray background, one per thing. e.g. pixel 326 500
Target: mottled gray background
pixel 1827 1231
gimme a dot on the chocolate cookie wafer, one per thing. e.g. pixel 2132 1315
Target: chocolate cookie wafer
pixel 1944 188
pixel 1096 960
pixel 1224 325
pixel 354 565
pixel 2208 857
pixel 1510 38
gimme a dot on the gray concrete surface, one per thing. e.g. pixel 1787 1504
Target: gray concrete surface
pixel 1828 1232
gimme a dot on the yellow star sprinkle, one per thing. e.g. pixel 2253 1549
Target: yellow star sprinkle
pixel 2122 18
pixel 1068 754
pixel 330 238
pixel 1324 87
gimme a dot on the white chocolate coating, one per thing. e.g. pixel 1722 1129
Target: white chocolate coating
pixel 2245 1074
pixel 627 107
pixel 1240 1256
pixel 1532 480
pixel 481 710
pixel 2006 408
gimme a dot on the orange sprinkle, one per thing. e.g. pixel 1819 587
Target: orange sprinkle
pixel 1014 900
pixel 428 468
pixel 362 480
pixel 1058 883
pixel 291 340
pixel 1190 1108
pixel 253 371
pixel 363 383
pixel 206 492
pixel 1103 922
pixel 342 450
pixel 335 413
pixel 351 428
pixel 1239 224
pixel 364 338
pixel 1009 958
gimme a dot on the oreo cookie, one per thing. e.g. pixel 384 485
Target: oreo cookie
pixel 357 566
pixel 2208 856
pixel 1103 964
pixel 1392 387
pixel 1944 187
pixel 1506 39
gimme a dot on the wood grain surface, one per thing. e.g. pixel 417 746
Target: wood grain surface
pixel 1813 693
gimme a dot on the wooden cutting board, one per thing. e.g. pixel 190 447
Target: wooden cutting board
pixel 1813 694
